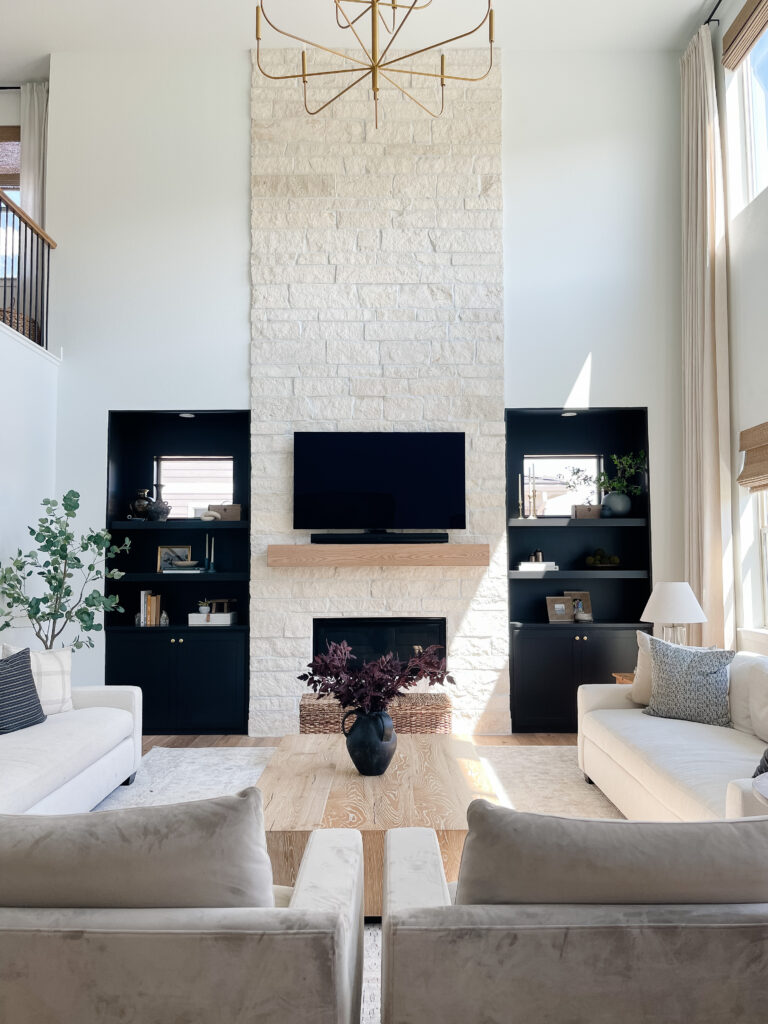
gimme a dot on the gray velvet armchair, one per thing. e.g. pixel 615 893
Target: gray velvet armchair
pixel 561 964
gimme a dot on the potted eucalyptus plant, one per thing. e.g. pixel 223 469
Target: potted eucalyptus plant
pixel 366 690
pixel 624 483
pixel 68 568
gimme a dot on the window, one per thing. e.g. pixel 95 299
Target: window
pixel 190 483
pixel 762 505
pixel 561 482
pixel 10 168
pixel 756 115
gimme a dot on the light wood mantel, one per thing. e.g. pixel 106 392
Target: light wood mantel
pixel 353 555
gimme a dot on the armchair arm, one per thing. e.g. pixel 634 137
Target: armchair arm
pixel 126 698
pixel 331 881
pixel 413 871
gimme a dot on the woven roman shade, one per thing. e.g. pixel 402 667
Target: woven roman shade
pixel 10 155
pixel 754 444
pixel 749 25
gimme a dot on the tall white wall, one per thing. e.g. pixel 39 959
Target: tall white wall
pixel 28 379
pixel 148 199
pixel 592 248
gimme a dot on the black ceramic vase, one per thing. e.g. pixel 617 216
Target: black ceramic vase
pixel 371 741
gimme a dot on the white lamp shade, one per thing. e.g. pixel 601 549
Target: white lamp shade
pixel 673 603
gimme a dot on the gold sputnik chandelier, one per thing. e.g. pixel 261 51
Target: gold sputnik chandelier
pixel 387 19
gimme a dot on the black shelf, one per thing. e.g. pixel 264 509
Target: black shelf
pixel 579 574
pixel 561 522
pixel 154 630
pixel 546 626
pixel 178 524
pixel 179 577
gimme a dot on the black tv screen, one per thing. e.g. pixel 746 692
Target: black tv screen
pixel 375 481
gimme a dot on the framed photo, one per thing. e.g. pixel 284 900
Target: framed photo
pixel 583 596
pixel 167 555
pixel 560 609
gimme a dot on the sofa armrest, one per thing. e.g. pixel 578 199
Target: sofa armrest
pixel 126 698
pixel 331 881
pixel 741 802
pixel 598 697
pixel 413 871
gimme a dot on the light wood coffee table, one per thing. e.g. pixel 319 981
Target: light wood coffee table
pixel 311 783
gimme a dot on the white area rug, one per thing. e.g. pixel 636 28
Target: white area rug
pixel 545 780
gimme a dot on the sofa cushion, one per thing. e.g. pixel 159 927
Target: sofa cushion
pixel 38 760
pixel 52 672
pixel 206 853
pixel 686 765
pixel 689 684
pixel 20 706
pixel 511 857
pixel 756 669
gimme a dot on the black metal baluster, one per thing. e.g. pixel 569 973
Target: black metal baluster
pixel 47 288
pixel 14 270
pixel 38 331
pixel 4 226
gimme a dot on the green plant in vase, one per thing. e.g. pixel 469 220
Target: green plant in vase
pixel 68 568
pixel 625 482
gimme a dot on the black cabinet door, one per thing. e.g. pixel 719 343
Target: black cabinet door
pixel 211 681
pixel 147 660
pixel 544 669
pixel 605 651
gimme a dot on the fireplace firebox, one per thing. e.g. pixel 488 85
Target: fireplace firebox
pixel 373 638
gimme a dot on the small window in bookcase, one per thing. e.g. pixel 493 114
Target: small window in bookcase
pixel 191 483
pixel 561 482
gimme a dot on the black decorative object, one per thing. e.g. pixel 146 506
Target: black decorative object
pixel 140 504
pixel 761 769
pixel 371 741
pixel 158 510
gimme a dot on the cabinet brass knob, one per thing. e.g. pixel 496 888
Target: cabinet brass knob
pixel 173 641
pixel 577 638
pixel 181 641
pixel 586 638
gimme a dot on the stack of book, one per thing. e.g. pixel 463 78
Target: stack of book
pixel 149 609
pixel 538 567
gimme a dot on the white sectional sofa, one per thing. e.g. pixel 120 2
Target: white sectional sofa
pixel 74 759
pixel 661 769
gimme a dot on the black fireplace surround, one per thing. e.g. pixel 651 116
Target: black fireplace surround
pixel 373 638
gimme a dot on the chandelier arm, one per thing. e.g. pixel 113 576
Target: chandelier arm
pixel 310 74
pixel 432 74
pixel 413 98
pixel 418 7
pixel 445 42
pixel 351 24
pixel 336 97
pixel 308 42
pixel 362 14
pixel 396 33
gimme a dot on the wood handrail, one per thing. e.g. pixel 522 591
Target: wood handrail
pixel 26 219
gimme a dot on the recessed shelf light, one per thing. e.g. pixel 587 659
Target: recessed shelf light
pixel 186 415
pixel 568 414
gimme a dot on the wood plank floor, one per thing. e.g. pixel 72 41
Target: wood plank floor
pixel 533 739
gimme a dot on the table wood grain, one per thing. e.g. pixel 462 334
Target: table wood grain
pixel 311 783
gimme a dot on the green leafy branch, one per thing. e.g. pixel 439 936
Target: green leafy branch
pixel 625 469
pixel 68 568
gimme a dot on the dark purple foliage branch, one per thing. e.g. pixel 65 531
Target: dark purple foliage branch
pixel 371 686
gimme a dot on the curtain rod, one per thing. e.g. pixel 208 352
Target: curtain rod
pixel 712 17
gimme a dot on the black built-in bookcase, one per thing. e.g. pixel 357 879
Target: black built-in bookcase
pixel 194 679
pixel 549 661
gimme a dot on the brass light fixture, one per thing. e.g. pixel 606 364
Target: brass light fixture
pixel 387 17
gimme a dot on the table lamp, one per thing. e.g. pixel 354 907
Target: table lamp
pixel 673 606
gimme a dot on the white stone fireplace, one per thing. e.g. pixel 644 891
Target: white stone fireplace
pixel 377 306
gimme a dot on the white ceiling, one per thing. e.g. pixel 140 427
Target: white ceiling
pixel 30 30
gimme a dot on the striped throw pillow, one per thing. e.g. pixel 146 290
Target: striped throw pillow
pixel 52 672
pixel 20 705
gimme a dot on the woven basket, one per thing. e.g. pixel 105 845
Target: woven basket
pixel 411 713
pixel 23 324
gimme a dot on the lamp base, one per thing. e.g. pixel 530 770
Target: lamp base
pixel 675 635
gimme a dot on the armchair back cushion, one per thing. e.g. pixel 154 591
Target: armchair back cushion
pixel 206 853
pixel 512 858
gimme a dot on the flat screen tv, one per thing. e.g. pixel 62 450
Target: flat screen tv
pixel 379 481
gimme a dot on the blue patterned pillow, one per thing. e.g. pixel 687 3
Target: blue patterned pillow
pixel 689 684
pixel 20 705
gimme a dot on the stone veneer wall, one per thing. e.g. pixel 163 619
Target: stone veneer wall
pixel 377 305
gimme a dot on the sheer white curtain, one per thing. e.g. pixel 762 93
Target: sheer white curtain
pixel 706 405
pixel 34 136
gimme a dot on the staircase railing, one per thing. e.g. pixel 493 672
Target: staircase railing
pixel 25 261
